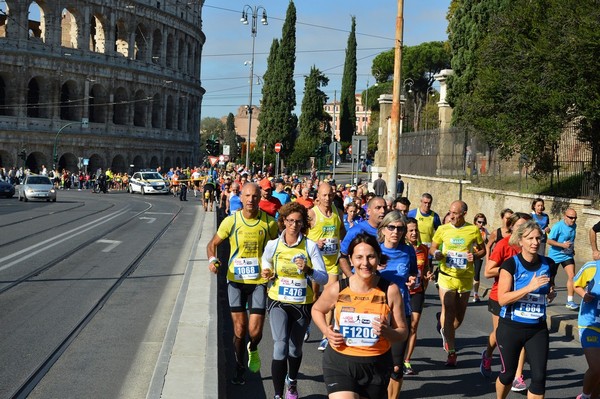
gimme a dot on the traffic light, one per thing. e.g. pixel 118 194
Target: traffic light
pixel 209 146
pixel 217 147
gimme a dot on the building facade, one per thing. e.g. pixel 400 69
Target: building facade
pixel 114 82
pixel 363 116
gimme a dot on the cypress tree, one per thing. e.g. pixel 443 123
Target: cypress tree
pixel 280 93
pixel 313 119
pixel 347 97
pixel 269 96
pixel 230 137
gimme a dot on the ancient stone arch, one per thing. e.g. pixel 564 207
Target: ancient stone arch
pixel 70 28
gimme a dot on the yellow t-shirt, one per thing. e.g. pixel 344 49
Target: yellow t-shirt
pixel 289 286
pixel 247 240
pixel 328 228
pixel 455 243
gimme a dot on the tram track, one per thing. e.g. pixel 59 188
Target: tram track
pixel 46 364
pixel 52 227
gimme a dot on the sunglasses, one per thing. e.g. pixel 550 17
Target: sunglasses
pixel 480 221
pixel 571 217
pixel 397 228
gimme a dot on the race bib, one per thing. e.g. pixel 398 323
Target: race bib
pixel 292 290
pixel 331 246
pixel 245 268
pixel 357 330
pixel 457 260
pixel 531 306
pixel 418 280
pixel 569 251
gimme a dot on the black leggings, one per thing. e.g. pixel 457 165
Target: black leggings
pixel 511 338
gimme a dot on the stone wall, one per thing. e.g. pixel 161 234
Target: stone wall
pixel 491 202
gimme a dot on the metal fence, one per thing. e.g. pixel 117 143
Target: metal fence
pixel 456 154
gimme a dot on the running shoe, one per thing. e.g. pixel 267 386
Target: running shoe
pixel 452 358
pixel 238 377
pixel 277 397
pixel 485 368
pixel 291 391
pixel 571 305
pixel 408 369
pixel 444 341
pixel 307 334
pixel 476 298
pixel 253 360
pixel 519 385
pixel 323 344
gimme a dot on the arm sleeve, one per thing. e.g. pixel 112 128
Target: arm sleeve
pixel 596 227
pixel 509 265
pixel 318 266
pixel 554 231
pixel 436 221
pixel 225 227
pixel 413 269
pixel 269 252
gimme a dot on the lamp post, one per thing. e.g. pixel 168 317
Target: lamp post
pixel 408 82
pixel 253 11
pixel 430 92
pixel 54 154
pixel 366 124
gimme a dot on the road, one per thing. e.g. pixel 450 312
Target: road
pixel 87 286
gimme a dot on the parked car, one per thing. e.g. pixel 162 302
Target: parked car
pixel 37 187
pixel 6 189
pixel 148 183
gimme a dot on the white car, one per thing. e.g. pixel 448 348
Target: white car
pixel 37 187
pixel 148 183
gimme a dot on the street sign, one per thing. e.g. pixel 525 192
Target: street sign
pixel 333 147
pixel 226 149
pixel 278 147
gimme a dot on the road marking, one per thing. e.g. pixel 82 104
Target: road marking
pixel 159 213
pixel 26 253
pixel 150 220
pixel 113 244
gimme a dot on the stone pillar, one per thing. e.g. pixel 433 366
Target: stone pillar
pixel 446 142
pixel 385 110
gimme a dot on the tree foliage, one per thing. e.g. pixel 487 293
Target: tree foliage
pixel 230 137
pixel 313 123
pixel 420 64
pixel 523 71
pixel 277 122
pixel 347 96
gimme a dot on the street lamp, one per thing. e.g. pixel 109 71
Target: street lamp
pixel 54 154
pixel 253 11
pixel 430 92
pixel 408 82
pixel 365 108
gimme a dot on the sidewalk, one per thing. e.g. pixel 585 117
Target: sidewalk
pixel 188 364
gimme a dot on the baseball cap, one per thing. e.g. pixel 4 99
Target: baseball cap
pixel 353 188
pixel 265 184
pixel 279 180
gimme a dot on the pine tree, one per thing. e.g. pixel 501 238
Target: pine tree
pixel 347 97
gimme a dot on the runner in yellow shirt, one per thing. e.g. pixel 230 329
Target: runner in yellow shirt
pixel 248 231
pixel 461 242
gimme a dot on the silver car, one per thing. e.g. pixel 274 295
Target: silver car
pixel 37 187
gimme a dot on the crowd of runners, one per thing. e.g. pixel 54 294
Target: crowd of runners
pixel 357 265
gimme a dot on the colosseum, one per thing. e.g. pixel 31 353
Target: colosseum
pixel 102 83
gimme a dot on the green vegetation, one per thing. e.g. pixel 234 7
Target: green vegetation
pixel 348 95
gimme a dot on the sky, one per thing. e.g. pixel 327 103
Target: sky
pixel 322 30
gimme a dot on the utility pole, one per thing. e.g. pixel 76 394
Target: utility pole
pixel 396 115
pixel 333 133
